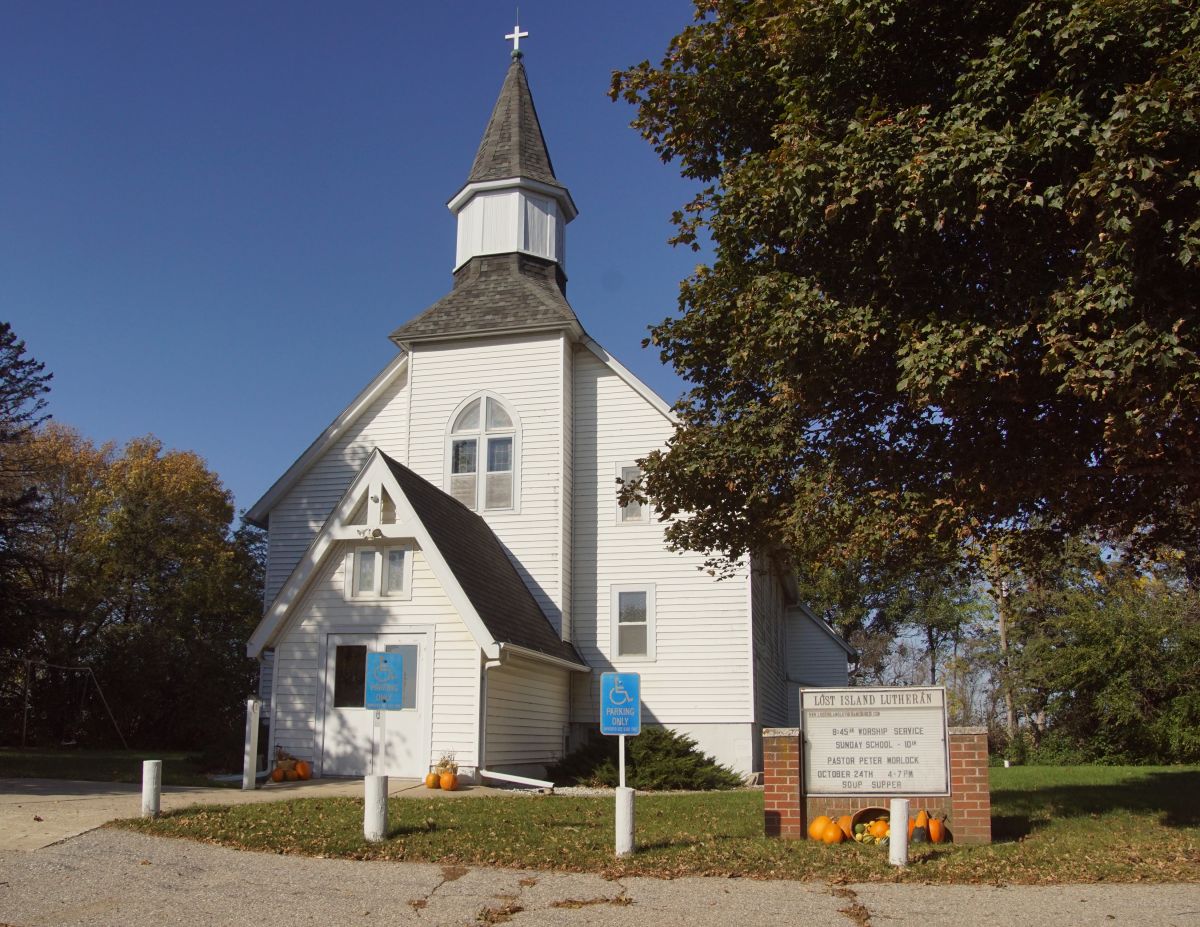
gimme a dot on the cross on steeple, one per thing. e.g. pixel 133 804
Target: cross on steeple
pixel 516 35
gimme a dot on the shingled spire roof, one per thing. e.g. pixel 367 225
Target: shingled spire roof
pixel 513 145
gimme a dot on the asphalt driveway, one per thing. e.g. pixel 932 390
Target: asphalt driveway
pixel 116 877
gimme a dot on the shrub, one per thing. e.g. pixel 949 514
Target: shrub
pixel 656 759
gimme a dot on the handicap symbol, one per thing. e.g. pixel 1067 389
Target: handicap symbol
pixel 617 694
pixel 382 674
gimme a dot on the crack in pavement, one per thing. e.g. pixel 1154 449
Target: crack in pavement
pixel 856 910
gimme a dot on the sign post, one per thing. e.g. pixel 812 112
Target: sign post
pixel 621 714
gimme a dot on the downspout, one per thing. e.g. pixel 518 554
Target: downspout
pixel 481 751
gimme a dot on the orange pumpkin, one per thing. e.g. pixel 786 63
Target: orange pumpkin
pixel 304 769
pixel 878 828
pixel 832 833
pixel 844 822
pixel 277 774
pixel 291 775
pixel 448 781
pixel 937 830
pixel 817 827
pixel 432 780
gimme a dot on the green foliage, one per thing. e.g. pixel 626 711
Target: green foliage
pixel 957 252
pixel 1104 662
pixel 656 759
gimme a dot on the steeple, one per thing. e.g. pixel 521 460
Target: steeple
pixel 512 202
pixel 512 216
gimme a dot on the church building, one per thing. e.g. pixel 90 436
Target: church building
pixel 461 515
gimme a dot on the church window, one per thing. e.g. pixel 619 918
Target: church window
pixel 631 512
pixel 379 572
pixel 632 622
pixel 483 433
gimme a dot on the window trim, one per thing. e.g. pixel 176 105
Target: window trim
pixel 483 438
pixel 619 509
pixel 377 592
pixel 614 598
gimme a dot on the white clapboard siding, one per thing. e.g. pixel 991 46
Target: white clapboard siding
pixel 526 374
pixel 526 714
pixel 813 659
pixel 770 647
pixel 295 520
pixel 702 668
pixel 325 609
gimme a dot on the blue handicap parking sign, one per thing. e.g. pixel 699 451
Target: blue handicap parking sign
pixel 621 703
pixel 385 681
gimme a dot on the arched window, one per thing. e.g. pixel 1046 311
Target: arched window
pixel 483 443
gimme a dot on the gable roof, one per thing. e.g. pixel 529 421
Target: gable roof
pixel 482 567
pixel 462 551
pixel 513 144
pixel 496 293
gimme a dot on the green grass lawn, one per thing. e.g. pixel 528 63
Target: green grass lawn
pixel 101 765
pixel 1080 824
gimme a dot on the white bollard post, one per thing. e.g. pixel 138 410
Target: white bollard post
pixel 151 788
pixel 898 841
pixel 375 808
pixel 624 820
pixel 250 759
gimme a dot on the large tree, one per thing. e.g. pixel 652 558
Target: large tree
pixel 136 571
pixel 956 258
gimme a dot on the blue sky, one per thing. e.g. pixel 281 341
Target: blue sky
pixel 212 215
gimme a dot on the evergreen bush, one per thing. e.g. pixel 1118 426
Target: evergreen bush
pixel 656 759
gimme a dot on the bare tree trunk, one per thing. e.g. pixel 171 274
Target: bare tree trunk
pixel 931 644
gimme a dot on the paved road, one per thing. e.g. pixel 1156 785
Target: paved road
pixel 35 813
pixel 112 877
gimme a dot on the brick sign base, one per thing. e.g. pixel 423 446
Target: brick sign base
pixel 786 813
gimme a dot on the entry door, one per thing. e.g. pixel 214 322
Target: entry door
pixel 360 741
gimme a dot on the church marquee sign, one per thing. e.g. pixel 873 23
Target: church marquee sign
pixel 881 741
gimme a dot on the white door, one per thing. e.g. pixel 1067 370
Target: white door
pixel 360 741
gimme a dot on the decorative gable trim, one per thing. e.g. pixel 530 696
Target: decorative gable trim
pixel 260 512
pixel 375 474
pixel 627 375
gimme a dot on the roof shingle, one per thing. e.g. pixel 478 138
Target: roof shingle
pixel 495 293
pixel 482 567
pixel 513 144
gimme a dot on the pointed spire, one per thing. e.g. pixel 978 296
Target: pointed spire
pixel 513 144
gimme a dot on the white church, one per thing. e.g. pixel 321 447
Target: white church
pixel 461 514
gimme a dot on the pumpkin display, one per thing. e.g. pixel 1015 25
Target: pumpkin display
pixel 937 830
pixel 817 827
pixel 847 828
pixel 832 833
pixel 448 781
pixel 879 828
pixel 303 769
pixel 432 780
pixel 277 774
pixel 291 775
